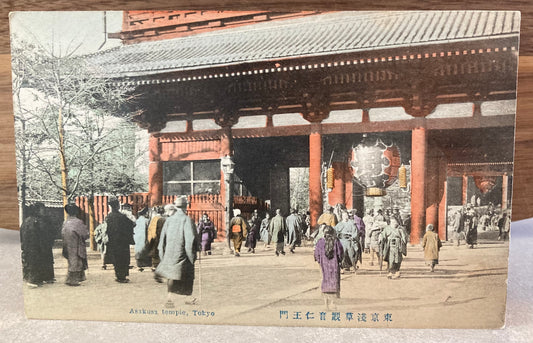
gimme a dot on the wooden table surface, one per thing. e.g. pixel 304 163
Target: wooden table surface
pixel 523 178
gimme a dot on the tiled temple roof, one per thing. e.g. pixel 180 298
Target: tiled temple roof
pixel 323 34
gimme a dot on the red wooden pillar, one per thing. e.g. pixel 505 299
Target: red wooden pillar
pixel 315 165
pixel 465 190
pixel 443 201
pixel 155 171
pixel 505 187
pixel 418 182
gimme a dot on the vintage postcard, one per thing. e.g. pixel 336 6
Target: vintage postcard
pixel 329 169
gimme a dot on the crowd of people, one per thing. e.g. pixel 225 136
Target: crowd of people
pixel 168 242
pixel 467 221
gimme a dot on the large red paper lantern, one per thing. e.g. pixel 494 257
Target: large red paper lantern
pixel 485 183
pixel 375 165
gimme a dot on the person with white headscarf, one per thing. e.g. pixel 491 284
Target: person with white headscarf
pixel 238 229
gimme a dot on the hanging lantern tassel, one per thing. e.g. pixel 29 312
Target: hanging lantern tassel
pixel 402 176
pixel 330 178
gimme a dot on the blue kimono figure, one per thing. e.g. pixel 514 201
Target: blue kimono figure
pixel 142 256
pixel 349 237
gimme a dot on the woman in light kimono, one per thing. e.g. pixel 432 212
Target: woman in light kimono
pixel 263 231
pixel 142 257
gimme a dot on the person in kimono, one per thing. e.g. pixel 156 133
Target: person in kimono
pixel 159 215
pixel 120 233
pixel 374 242
pixel 470 226
pixel 394 241
pixel 368 220
pixel 431 244
pixel 265 235
pixel 207 233
pixel 101 238
pixel 75 233
pixel 504 226
pixel 142 257
pixel 277 231
pixel 238 231
pixel 349 237
pixel 35 243
pixel 294 224
pixel 360 225
pixel 329 254
pixel 328 218
pixel 253 232
pixel 178 246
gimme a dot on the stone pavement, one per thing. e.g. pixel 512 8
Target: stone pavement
pixel 467 290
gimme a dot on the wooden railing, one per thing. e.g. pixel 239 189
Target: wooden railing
pixel 211 204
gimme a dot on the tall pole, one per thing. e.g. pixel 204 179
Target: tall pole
pixel 226 152
pixel 418 183
pixel 315 168
pixel 155 171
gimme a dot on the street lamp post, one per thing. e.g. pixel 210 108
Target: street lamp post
pixel 227 165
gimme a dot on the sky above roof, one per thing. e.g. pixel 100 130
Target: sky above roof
pixel 63 33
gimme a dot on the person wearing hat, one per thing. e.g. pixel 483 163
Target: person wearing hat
pixel 178 246
pixel 431 244
pixel 120 234
pixel 394 247
pixel 238 231
pixel 294 223
pixel 277 229
pixel 396 214
pixel 139 235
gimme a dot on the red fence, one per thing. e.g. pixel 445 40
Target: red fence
pixel 198 205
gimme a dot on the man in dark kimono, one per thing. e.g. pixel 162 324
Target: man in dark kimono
pixel 294 224
pixel 207 233
pixel 177 250
pixel 48 235
pixel 277 231
pixel 361 228
pixel 504 226
pixel 470 226
pixel 34 245
pixel 75 233
pixel 254 225
pixel 120 232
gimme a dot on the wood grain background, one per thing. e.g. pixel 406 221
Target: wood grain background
pixel 523 178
